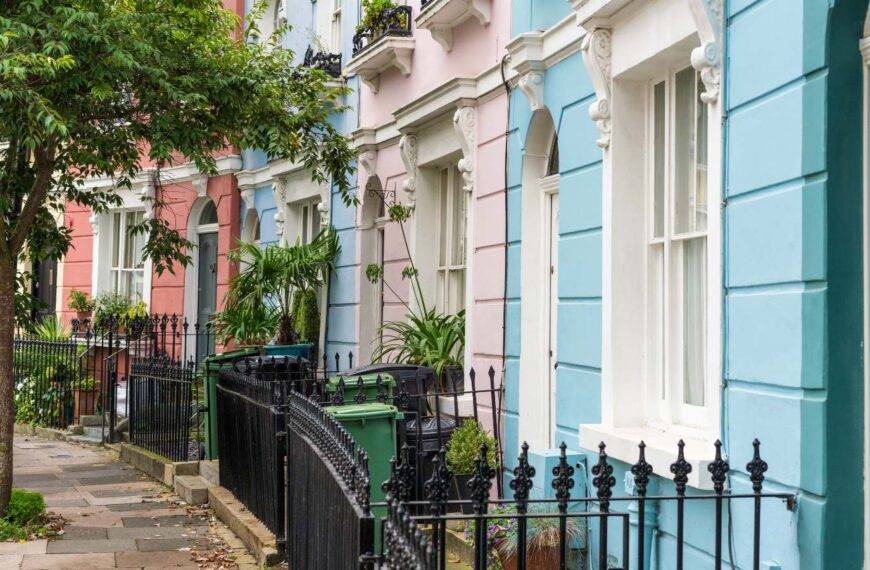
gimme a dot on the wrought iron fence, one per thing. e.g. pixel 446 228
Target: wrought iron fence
pixel 163 401
pixel 329 522
pixel 502 529
pixel 251 426
pixel 389 22
pixel 58 381
pixel 330 63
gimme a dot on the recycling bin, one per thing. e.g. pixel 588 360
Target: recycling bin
pixel 213 364
pixel 369 382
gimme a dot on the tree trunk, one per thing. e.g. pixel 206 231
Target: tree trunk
pixel 7 383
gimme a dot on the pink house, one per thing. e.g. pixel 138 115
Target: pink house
pixel 433 118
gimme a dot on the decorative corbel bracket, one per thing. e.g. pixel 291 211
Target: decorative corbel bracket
pixel 248 198
pixel 323 210
pixel 94 220
pixel 465 124
pixel 532 86
pixel 408 149
pixel 279 195
pixel 368 159
pixel 707 58
pixel 146 196
pixel 200 184
pixel 597 50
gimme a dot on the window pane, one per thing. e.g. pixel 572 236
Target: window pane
pixel 440 287
pixel 315 220
pixel 458 221
pixel 304 220
pixel 116 237
pixel 457 291
pixel 444 218
pixel 133 243
pixel 694 320
pixel 209 214
pixel 659 123
pixel 701 167
pixel 684 151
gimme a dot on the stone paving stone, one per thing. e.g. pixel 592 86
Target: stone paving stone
pixel 164 544
pixel 156 532
pixel 51 502
pixel 111 493
pixel 90 546
pixel 99 519
pixel 69 561
pixel 11 560
pixel 33 547
pixel 33 478
pixel 122 477
pixel 172 520
pixel 82 533
pixel 166 559
pixel 89 466
pixel 146 506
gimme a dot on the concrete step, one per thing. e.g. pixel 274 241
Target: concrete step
pixel 91 421
pixel 193 489
pixel 209 471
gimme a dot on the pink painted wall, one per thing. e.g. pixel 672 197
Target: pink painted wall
pixel 475 50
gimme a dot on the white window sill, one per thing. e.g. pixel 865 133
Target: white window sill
pixel 661 448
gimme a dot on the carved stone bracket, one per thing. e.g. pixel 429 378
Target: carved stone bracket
pixel 200 184
pixel 368 159
pixel 408 149
pixel 707 58
pixel 248 198
pixel 597 50
pixel 94 220
pixel 323 210
pixel 146 195
pixel 465 123
pixel 532 86
pixel 279 194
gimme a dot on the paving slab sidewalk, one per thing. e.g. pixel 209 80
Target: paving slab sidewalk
pixel 117 517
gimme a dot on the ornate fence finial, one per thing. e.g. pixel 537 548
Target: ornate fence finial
pixel 756 467
pixel 563 480
pixel 681 469
pixel 523 480
pixel 360 397
pixel 481 482
pixel 438 486
pixel 603 479
pixel 405 474
pixel 718 470
pixel 382 393
pixel 641 471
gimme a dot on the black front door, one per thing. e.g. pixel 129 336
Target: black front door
pixel 44 288
pixel 206 304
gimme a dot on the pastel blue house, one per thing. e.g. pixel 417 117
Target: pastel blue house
pixel 280 201
pixel 685 257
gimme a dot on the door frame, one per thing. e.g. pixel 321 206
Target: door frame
pixel 191 272
pixel 550 193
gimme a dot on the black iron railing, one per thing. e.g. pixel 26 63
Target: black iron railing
pixel 329 521
pixel 390 22
pixel 503 528
pixel 163 407
pixel 330 63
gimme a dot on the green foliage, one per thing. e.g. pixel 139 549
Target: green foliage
pixel 542 536
pixel 118 309
pixel 79 302
pixel 267 282
pixel 425 338
pixel 43 376
pixel 373 18
pixel 464 447
pixel 51 328
pixel 25 517
pixel 247 325
pixel 306 316
pixel 108 88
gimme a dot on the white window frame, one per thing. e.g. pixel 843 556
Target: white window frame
pixel 117 272
pixel 335 26
pixel 307 216
pixel 446 244
pixel 664 332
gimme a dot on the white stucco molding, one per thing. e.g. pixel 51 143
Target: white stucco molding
pixel 440 17
pixel 387 52
pixel 248 198
pixel 94 220
pixel 146 194
pixel 200 184
pixel 279 189
pixel 171 175
pixel 465 123
pixel 368 159
pixel 707 58
pixel 408 148
pixel 527 59
pixel 597 51
pixel 323 210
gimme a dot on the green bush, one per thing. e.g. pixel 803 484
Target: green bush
pixel 118 308
pixel 464 447
pixel 79 302
pixel 306 316
pixel 25 516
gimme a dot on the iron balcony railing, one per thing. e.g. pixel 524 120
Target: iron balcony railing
pixel 329 63
pixel 390 22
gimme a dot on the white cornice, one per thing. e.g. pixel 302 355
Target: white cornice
pixel 557 42
pixel 187 172
pixel 386 52
pixel 262 176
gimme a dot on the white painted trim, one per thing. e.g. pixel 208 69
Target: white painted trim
pixel 172 175
pixel 191 272
pixel 385 53
pixel 440 17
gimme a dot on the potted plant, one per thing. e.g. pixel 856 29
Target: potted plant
pixel 118 312
pixel 81 304
pixel 379 17
pixel 543 540
pixel 85 393
pixel 463 448
pixel 259 304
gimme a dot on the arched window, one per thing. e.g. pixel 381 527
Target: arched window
pixel 553 160
pixel 208 215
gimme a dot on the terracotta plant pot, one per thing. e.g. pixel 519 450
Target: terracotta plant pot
pixel 85 402
pixel 544 558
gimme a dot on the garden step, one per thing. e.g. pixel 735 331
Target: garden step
pixel 91 421
pixel 192 488
pixel 210 472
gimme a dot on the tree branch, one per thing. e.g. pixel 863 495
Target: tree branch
pixel 35 198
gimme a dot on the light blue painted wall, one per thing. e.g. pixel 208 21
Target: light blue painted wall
pixel 792 263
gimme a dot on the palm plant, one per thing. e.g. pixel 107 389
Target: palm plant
pixel 426 338
pixel 52 329
pixel 259 303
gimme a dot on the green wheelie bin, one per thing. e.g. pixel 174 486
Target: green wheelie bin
pixel 212 365
pixel 370 386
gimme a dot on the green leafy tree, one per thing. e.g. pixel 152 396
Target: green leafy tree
pixel 110 88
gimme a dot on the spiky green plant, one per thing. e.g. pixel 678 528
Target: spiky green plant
pixel 51 328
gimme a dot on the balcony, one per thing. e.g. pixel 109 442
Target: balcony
pixel 440 17
pixel 384 44
pixel 329 63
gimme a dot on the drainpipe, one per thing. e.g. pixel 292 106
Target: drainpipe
pixel 650 522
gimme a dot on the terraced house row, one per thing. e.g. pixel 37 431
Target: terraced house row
pixel 652 215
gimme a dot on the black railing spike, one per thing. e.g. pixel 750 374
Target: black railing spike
pixel 391 485
pixel 437 488
pixel 480 484
pixel 756 468
pixel 681 469
pixel 603 479
pixel 350 359
pixel 718 470
pixel 337 362
pixel 563 478
pixel 382 394
pixel 405 474
pixel 523 479
pixel 641 471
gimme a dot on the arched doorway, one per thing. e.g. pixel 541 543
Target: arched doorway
pixel 539 281
pixel 201 277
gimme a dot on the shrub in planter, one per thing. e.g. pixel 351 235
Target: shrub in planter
pixel 463 448
pixel 542 540
pixel 374 19
pixel 117 311
pixel 80 303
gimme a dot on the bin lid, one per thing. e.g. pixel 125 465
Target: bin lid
pixel 369 380
pixel 232 355
pixel 371 411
